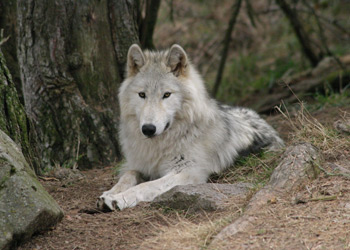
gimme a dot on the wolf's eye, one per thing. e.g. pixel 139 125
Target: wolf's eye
pixel 142 95
pixel 166 95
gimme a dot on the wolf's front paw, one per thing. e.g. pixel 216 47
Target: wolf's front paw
pixel 105 203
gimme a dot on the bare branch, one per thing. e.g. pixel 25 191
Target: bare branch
pixel 235 11
pixel 323 38
pixel 300 32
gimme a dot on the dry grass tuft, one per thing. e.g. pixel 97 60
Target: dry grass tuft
pixel 191 234
pixel 308 129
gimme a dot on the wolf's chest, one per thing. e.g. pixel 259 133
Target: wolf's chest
pixel 149 156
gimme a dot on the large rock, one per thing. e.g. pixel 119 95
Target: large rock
pixel 25 206
pixel 206 196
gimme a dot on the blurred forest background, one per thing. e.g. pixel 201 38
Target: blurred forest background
pixel 66 61
pixel 264 47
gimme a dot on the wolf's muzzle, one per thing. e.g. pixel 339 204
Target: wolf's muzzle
pixel 149 130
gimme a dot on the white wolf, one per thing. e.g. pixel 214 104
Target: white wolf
pixel 171 131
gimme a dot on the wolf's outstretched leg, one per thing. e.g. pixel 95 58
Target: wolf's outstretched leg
pixel 127 180
pixel 147 191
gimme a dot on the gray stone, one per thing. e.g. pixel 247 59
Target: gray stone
pixel 206 196
pixel 25 206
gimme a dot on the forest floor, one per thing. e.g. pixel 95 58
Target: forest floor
pixel 283 224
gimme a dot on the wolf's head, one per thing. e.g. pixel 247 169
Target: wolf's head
pixel 153 90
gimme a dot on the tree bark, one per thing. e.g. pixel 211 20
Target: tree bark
pixel 71 56
pixel 13 120
pixel 148 24
pixel 300 32
pixel 8 25
pixel 124 19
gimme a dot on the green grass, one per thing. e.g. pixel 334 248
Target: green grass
pixel 243 76
pixel 259 69
pixel 340 49
pixel 329 99
pixel 255 169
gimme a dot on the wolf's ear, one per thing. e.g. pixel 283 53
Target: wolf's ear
pixel 136 60
pixel 177 60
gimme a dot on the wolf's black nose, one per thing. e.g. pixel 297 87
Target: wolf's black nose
pixel 149 130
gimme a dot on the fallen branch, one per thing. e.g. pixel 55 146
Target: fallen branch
pixel 48 178
pixel 328 73
pixel 330 173
pixel 324 198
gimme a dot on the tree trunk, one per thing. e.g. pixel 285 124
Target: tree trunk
pixel 8 25
pixel 148 23
pixel 13 120
pixel 71 55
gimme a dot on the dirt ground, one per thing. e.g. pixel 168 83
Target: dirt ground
pixel 316 216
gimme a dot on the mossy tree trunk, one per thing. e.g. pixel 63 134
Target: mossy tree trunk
pixel 8 25
pixel 13 120
pixel 71 55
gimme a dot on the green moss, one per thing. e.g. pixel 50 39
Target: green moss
pixel 3 181
pixel 3 172
pixel 314 171
pixel 13 119
pixel 11 108
pixel 12 170
pixel 3 123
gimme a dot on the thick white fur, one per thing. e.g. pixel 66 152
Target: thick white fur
pixel 202 137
